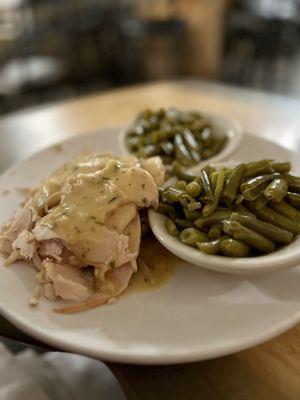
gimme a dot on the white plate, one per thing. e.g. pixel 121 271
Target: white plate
pixel 197 315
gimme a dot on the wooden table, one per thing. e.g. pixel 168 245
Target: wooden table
pixel 270 371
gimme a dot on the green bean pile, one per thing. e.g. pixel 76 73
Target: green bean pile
pixel 249 210
pixel 185 136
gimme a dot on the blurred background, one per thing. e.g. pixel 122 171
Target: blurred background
pixel 57 49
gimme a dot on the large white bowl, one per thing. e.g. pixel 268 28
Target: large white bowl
pixel 286 257
pixel 223 126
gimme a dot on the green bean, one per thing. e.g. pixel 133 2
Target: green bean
pixel 157 136
pixel 193 189
pixel 233 183
pixel 192 215
pixel 282 167
pixel 181 153
pixel 213 179
pixel 136 130
pixel 239 199
pixel 149 151
pixel 181 185
pixel 167 209
pixel 271 231
pixel 188 117
pixel 153 122
pixel 258 180
pixel 141 127
pixel 258 168
pixel 167 160
pixel 191 236
pixel 167 148
pixel 234 248
pixel 214 218
pixel 286 210
pixel 171 227
pixel 146 140
pixel 183 223
pixel 173 134
pixel 198 180
pixel 189 202
pixel 191 145
pixel 206 135
pixel 209 169
pixel 215 231
pixel 212 247
pixel 177 171
pixel 269 215
pixel 260 202
pixel 208 195
pixel 171 195
pixel 173 114
pixel 231 211
pixel 249 237
pixel 195 205
pixel 178 129
pixel 166 127
pixel 133 142
pixel 145 114
pixel 241 209
pixel 209 208
pixel 209 247
pixel 160 113
pixel 294 199
pixel 276 190
pixel 206 153
pixel 293 182
pixel 199 125
pixel 215 147
pixel 227 172
pixel 130 134
pixel 253 194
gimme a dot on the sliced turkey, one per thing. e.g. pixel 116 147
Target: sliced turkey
pixel 81 227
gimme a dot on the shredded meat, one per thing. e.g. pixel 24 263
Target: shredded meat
pixel 81 229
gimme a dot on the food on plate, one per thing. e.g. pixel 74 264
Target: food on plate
pixel 185 136
pixel 248 210
pixel 155 266
pixel 81 228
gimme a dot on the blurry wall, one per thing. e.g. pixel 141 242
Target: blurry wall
pixel 55 49
pixel 262 45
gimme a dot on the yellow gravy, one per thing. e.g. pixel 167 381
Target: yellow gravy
pixel 156 267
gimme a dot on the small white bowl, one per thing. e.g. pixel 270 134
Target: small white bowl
pixel 223 126
pixel 286 257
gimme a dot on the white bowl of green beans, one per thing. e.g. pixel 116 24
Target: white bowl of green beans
pixel 188 137
pixel 239 218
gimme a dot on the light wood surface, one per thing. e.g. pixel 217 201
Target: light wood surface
pixel 266 372
pixel 270 371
